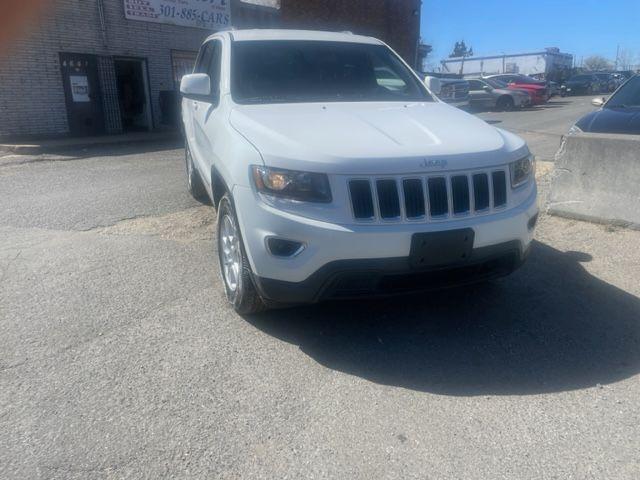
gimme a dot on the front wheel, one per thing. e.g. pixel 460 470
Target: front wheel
pixel 234 267
pixel 505 104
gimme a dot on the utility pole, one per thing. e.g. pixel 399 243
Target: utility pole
pixel 617 57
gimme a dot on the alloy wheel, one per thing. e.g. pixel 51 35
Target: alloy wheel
pixel 230 254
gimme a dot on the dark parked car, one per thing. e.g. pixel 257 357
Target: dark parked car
pixel 619 114
pixel 607 82
pixel 585 84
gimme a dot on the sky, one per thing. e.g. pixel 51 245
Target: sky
pixel 579 27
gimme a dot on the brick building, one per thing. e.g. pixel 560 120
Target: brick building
pixel 107 66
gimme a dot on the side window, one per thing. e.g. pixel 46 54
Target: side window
pixel 204 59
pixel 475 85
pixel 214 66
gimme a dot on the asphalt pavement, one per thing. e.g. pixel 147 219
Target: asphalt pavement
pixel 119 357
pixel 542 126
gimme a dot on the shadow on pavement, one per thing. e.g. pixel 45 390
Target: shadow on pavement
pixel 110 150
pixel 549 327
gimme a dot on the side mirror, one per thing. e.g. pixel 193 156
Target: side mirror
pixel 196 86
pixel 433 84
pixel 486 88
pixel 598 102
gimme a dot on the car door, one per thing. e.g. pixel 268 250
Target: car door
pixel 205 111
pixel 479 95
pixel 190 106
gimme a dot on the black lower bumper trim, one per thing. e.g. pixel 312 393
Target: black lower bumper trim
pixel 389 276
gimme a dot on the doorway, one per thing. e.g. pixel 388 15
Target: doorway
pixel 82 93
pixel 133 94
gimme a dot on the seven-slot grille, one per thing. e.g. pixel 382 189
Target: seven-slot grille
pixel 434 197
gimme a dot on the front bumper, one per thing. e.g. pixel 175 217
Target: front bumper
pixel 379 251
pixel 347 279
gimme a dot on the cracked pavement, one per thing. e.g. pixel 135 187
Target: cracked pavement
pixel 119 357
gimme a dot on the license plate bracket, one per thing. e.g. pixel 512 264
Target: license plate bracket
pixel 437 249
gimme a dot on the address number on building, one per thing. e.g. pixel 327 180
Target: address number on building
pixel 208 14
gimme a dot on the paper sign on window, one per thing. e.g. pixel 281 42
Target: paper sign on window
pixel 80 88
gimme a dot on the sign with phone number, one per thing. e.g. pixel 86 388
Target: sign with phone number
pixel 208 14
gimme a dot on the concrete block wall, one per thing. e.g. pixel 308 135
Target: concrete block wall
pixel 152 41
pixel 31 92
pixel 32 100
pixel 397 22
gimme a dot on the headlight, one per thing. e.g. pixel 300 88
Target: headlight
pixel 302 186
pixel 522 171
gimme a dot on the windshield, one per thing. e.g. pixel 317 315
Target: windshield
pixel 627 96
pixel 284 71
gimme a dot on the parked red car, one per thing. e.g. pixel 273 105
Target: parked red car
pixel 537 90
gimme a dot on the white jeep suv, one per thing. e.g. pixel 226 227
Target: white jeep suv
pixel 336 172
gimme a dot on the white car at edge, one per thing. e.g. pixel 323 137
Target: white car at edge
pixel 330 182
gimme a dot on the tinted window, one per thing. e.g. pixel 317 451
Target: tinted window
pixel 525 80
pixel 285 71
pixel 204 58
pixel 627 96
pixel 580 78
pixel 496 83
pixel 214 66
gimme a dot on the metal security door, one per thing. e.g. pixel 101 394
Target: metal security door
pixel 82 93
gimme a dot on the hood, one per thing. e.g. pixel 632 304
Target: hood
pixel 612 120
pixel 373 137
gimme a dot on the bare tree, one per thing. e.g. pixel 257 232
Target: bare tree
pixel 596 63
pixel 625 59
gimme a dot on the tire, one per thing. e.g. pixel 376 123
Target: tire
pixel 194 181
pixel 235 270
pixel 505 104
